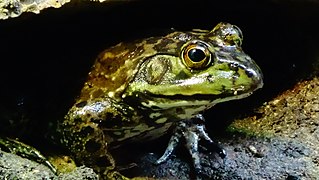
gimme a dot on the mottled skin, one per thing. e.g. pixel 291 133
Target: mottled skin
pixel 137 91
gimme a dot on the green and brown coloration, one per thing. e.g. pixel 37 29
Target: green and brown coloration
pixel 137 91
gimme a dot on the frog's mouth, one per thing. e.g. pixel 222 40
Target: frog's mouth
pixel 156 101
pixel 200 97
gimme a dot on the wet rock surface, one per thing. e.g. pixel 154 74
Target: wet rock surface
pixel 16 167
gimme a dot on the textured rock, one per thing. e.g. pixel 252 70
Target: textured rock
pixel 14 8
pixel 16 167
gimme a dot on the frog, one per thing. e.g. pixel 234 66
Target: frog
pixel 137 91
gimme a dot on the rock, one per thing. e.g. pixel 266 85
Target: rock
pixel 16 167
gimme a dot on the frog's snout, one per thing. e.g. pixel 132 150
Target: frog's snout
pixel 257 77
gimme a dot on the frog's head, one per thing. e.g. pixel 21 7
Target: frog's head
pixel 205 68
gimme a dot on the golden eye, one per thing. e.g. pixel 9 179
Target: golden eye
pixel 196 55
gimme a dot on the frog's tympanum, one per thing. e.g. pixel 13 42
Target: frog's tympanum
pixel 137 91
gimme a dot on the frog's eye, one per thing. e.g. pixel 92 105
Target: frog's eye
pixel 196 55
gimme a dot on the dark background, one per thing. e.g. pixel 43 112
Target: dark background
pixel 45 58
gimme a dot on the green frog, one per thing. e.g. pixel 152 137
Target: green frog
pixel 137 91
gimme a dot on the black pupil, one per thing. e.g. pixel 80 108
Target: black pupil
pixel 196 55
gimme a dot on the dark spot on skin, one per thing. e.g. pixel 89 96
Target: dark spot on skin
pixel 107 65
pixel 223 89
pixel 81 104
pixel 137 98
pixel 210 78
pixel 152 122
pixel 92 146
pixel 180 111
pixel 88 115
pixel 182 75
pixel 77 120
pixel 69 161
pixel 103 162
pixel 110 121
pixel 233 67
pixel 155 108
pixel 87 131
pixel 108 115
pixel 235 77
pixel 138 51
pixel 97 93
pixel 163 44
pixel 151 40
pixel 98 121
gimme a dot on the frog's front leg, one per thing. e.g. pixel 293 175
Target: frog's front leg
pixel 193 131
pixel 84 133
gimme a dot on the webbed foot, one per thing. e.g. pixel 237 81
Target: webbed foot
pixel 193 131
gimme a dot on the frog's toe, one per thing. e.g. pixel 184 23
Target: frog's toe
pixel 192 146
pixel 192 131
pixel 198 127
pixel 173 142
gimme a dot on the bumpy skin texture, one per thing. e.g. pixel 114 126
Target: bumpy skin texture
pixel 137 91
